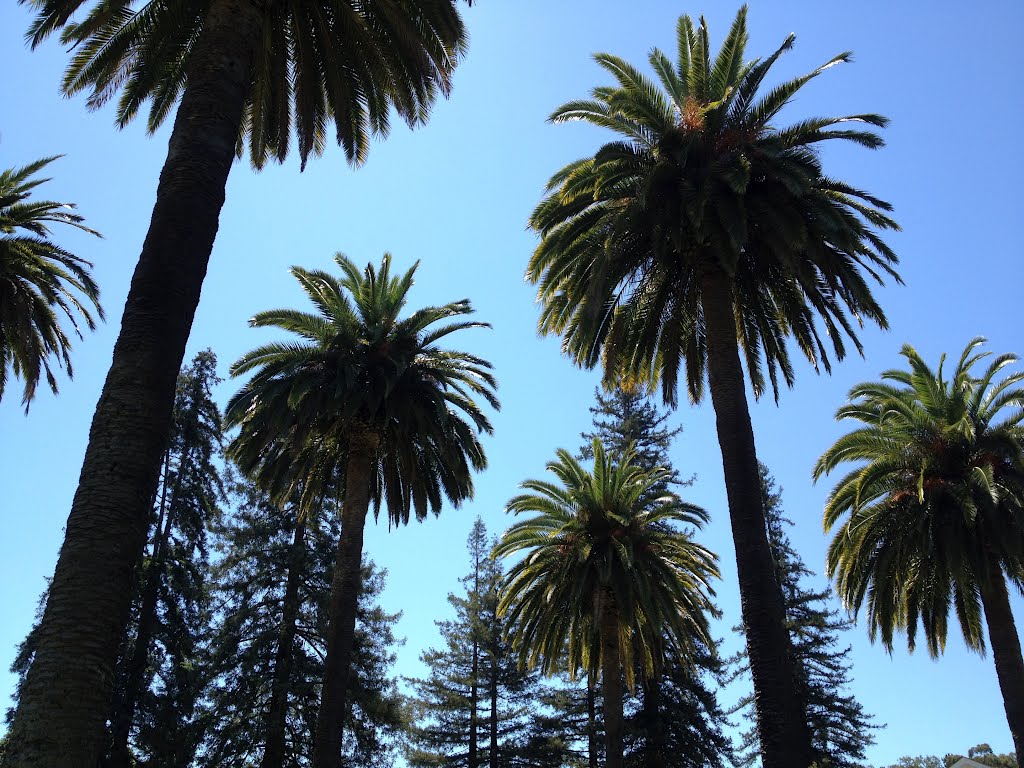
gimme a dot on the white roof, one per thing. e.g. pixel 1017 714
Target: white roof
pixel 966 762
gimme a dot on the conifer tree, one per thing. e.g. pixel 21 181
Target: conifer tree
pixel 159 674
pixel 472 709
pixel 266 654
pixel 673 719
pixel 840 728
pixel 627 417
pixel 566 730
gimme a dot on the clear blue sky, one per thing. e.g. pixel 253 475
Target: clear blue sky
pixel 456 194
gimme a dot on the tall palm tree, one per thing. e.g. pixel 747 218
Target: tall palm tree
pixel 932 517
pixel 244 72
pixel 607 583
pixel 371 397
pixel 706 230
pixel 41 284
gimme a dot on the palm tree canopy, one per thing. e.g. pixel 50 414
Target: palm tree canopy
pixel 935 506
pixel 357 367
pixel 41 284
pixel 703 181
pixel 594 532
pixel 329 60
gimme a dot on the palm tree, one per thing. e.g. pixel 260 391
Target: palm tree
pixel 244 72
pixel 607 582
pixel 40 283
pixel 705 231
pixel 932 517
pixel 370 398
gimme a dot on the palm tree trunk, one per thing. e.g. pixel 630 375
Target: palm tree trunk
pixel 611 678
pixel 782 726
pixel 591 722
pixel 66 695
pixel 277 713
pixel 1002 635
pixel 345 586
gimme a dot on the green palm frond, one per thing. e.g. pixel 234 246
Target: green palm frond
pixel 346 63
pixel 700 181
pixel 590 532
pixel 361 367
pixel 45 291
pixel 932 511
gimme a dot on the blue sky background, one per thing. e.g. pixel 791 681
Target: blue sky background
pixel 456 194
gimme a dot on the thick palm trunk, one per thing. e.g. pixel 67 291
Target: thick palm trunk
pixel 1002 636
pixel 611 679
pixel 277 713
pixel 345 586
pixel 782 727
pixel 67 693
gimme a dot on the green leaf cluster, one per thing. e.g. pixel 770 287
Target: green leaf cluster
pixel 42 285
pixel 703 183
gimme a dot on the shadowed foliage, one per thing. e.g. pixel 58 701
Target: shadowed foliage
pixel 704 232
pixel 41 284
pixel 364 404
pixel 608 583
pixel 239 73
pixel 931 520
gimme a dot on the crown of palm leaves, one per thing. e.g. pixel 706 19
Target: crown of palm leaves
pixel 42 285
pixel 935 505
pixel 593 533
pixel 359 367
pixel 702 181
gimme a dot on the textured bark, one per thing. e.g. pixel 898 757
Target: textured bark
pixel 345 585
pixel 782 727
pixel 273 753
pixel 67 692
pixel 591 722
pixel 611 678
pixel 1002 636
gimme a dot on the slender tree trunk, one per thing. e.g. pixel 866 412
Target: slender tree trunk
pixel 493 682
pixel 473 758
pixel 66 695
pixel 123 711
pixel 782 727
pixel 345 586
pixel 591 722
pixel 162 478
pixel 273 754
pixel 119 726
pixel 1002 636
pixel 654 747
pixel 611 678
